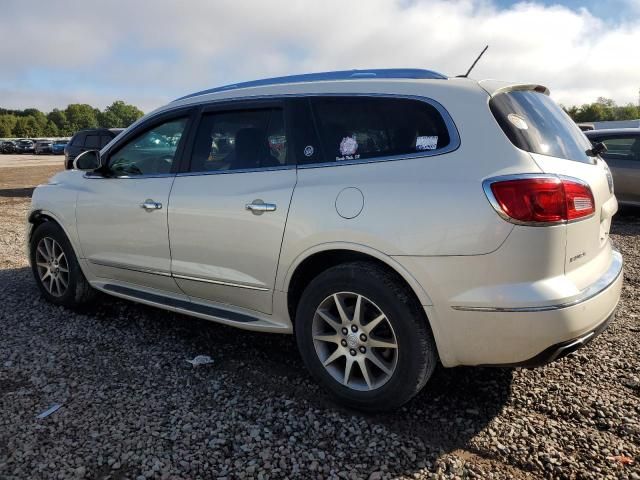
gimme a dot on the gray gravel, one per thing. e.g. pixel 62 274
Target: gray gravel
pixel 132 407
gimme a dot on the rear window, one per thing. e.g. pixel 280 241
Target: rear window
pixel 360 128
pixel 535 123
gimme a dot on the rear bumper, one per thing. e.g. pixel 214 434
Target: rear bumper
pixel 562 349
pixel 525 335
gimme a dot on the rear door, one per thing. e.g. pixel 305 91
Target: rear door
pixel 535 123
pixel 228 209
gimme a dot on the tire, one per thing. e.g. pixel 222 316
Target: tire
pixel 49 237
pixel 407 367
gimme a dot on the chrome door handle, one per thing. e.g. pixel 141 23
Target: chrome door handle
pixel 151 205
pixel 258 207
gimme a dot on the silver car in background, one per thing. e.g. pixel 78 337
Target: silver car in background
pixel 390 219
pixel 623 158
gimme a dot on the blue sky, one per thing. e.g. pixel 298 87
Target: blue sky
pixel 149 53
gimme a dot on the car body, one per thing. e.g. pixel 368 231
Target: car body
pixel 8 146
pixel 25 146
pixel 623 158
pixel 43 146
pixel 391 219
pixel 58 146
pixel 83 140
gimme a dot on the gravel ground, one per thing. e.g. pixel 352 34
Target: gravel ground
pixel 132 407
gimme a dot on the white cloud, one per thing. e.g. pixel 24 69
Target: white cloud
pixel 150 52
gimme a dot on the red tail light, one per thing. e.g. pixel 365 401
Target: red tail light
pixel 542 199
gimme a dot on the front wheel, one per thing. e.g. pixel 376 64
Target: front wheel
pixel 56 269
pixel 364 336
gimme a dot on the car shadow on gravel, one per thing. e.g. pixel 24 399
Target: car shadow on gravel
pixel 104 347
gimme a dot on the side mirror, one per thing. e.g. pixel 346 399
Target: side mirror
pixel 87 161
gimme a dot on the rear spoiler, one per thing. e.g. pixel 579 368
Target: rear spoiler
pixel 494 87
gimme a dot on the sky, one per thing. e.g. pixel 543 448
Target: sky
pixel 151 52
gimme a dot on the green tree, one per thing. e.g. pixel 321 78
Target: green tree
pixel 119 115
pixel 59 119
pixel 26 127
pixel 7 124
pixel 81 115
pixel 604 109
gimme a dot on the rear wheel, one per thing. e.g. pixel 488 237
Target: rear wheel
pixel 56 269
pixel 365 337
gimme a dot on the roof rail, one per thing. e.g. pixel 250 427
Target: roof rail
pixel 382 73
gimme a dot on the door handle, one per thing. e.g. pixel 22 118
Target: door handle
pixel 149 205
pixel 258 207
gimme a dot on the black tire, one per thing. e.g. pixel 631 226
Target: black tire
pixel 78 291
pixel 416 354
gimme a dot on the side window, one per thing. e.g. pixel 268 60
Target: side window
pixel 354 128
pixel 92 142
pixel 150 153
pixel 622 148
pixel 238 140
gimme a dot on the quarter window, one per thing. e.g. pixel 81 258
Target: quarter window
pixel 240 140
pixel 151 153
pixel 355 128
pixel 622 148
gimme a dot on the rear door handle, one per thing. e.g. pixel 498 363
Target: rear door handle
pixel 258 207
pixel 149 205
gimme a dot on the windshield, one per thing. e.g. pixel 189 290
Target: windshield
pixel 535 123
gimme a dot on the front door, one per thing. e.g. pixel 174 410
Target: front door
pixel 122 215
pixel 227 214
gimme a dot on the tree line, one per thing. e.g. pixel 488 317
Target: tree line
pixel 32 123
pixel 603 109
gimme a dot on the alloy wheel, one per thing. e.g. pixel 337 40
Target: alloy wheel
pixel 52 265
pixel 355 341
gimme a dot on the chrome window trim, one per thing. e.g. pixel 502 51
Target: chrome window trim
pixel 454 136
pixel 452 130
pixel 91 176
pixel 219 282
pixel 605 281
pixel 486 187
pixel 240 170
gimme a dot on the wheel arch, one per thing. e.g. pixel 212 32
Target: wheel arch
pixel 315 260
pixel 40 216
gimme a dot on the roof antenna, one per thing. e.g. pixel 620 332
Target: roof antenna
pixel 474 63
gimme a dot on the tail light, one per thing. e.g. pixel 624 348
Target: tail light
pixel 540 199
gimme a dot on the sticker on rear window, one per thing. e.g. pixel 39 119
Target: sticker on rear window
pixel 518 121
pixel 348 149
pixel 427 142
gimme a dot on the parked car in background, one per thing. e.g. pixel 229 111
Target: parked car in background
pixel 585 127
pixel 623 158
pixel 25 146
pixel 8 146
pixel 58 146
pixel 396 220
pixel 42 146
pixel 90 139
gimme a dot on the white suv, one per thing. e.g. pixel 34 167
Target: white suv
pixel 391 219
